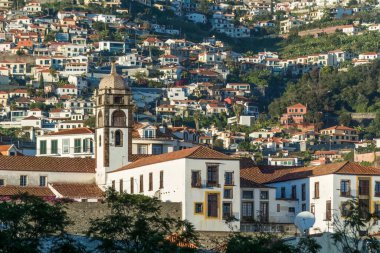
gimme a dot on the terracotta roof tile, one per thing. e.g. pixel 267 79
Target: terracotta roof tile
pixel 135 157
pixel 271 174
pixel 81 130
pixel 51 164
pixel 199 152
pixel 11 190
pixel 78 190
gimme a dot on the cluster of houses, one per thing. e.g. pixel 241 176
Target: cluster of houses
pixel 172 164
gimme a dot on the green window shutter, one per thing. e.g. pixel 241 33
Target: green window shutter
pixel 42 147
pixel 54 146
pixel 77 146
pixel 85 146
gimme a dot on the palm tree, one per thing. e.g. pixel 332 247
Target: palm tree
pixel 197 117
pixel 238 109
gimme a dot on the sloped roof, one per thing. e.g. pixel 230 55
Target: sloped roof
pixel 78 190
pixel 49 164
pixel 273 174
pixel 199 152
pixel 81 130
pixel 10 190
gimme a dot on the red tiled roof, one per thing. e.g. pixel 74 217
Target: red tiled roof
pixel 199 152
pixel 5 147
pixel 78 190
pixel 272 174
pixel 81 130
pixel 50 164
pixel 135 157
pixel 339 128
pixel 10 190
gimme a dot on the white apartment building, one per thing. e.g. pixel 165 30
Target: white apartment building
pixel 77 142
pixel 178 93
pixel 207 184
pixel 323 189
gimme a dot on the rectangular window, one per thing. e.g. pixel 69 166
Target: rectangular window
pixel 247 210
pixel 328 210
pixel 316 190
pixel 264 211
pixel 377 210
pixel 196 178
pixel 66 146
pixel 132 190
pixel 142 149
pixel 377 189
pixel 278 208
pixel 303 207
pixel 148 133
pixel 212 176
pixel 247 194
pixel 212 205
pixel 151 181
pixel 85 145
pixel 198 208
pixel 312 209
pixel 345 209
pixel 364 187
pixel 2 182
pixel 77 145
pixel 227 210
pixel 42 147
pixel 43 181
pixel 54 146
pixel 345 188
pixel 294 192
pixel 23 180
pixel 121 186
pixel 303 192
pixel 292 210
pixel 156 149
pixel 228 194
pixel 161 179
pixel 113 184
pixel 228 178
pixel 264 195
pixel 283 192
pixel 141 183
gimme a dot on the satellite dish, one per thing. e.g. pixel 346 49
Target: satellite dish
pixel 304 221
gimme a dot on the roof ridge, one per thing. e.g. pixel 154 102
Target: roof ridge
pixel 195 149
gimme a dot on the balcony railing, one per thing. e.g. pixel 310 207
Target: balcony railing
pixel 205 184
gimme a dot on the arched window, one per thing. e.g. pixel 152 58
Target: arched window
pixel 118 138
pixel 100 119
pixel 118 119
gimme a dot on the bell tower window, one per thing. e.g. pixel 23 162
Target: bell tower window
pixel 118 119
pixel 118 100
pixel 118 138
pixel 100 119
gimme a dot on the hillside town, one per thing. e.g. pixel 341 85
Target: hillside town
pixel 247 113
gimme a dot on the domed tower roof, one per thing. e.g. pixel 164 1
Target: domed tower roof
pixel 113 81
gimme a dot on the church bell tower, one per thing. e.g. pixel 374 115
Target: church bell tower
pixel 113 129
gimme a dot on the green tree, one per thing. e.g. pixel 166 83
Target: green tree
pixel 90 122
pixel 136 224
pixel 351 229
pixel 258 243
pixel 26 219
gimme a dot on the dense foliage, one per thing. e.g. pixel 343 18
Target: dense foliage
pixel 334 92
pixel 25 220
pixel 135 224
pixel 301 46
